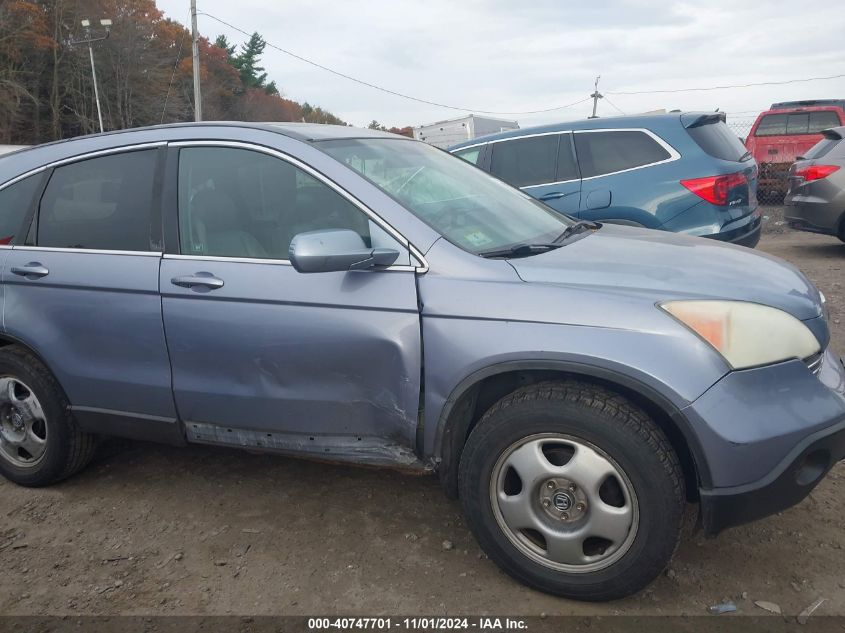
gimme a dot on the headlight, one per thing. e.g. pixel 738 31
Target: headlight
pixel 746 334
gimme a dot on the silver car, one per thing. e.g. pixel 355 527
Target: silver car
pixel 815 201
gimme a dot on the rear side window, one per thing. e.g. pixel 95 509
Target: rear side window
pixel 602 153
pixel 796 123
pixel 15 201
pixel 524 162
pixel 718 141
pixel 100 203
pixel 470 155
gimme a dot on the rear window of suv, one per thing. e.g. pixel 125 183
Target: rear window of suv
pixel 718 141
pixel 796 123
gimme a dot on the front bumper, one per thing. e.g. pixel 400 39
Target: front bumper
pixel 786 486
pixel 769 435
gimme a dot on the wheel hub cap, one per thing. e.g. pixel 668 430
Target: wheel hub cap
pixel 564 502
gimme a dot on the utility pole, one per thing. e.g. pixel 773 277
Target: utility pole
pixel 596 96
pixel 196 63
pixel 86 24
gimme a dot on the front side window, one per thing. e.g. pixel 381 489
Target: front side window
pixel 15 201
pixel 101 203
pixel 602 153
pixel 243 203
pixel 467 206
pixel 523 162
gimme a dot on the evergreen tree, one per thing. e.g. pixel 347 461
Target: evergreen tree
pixel 252 75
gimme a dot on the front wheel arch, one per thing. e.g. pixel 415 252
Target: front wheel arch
pixel 482 389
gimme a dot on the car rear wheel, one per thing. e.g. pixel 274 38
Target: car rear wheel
pixel 40 442
pixel 573 490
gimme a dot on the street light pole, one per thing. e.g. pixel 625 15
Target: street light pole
pixel 96 90
pixel 86 24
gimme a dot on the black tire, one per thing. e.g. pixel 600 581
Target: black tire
pixel 68 449
pixel 622 431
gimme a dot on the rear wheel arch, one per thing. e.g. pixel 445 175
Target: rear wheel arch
pixel 478 392
pixel 6 340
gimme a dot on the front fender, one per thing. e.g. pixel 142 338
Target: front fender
pixel 659 367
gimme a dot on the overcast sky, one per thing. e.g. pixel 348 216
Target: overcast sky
pixel 520 55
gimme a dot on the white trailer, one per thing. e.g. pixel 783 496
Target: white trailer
pixel 446 133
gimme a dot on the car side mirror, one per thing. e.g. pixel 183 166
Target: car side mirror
pixel 333 250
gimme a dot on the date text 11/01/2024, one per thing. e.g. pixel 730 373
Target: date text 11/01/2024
pixel 418 623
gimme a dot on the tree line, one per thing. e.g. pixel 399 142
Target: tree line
pixel 144 72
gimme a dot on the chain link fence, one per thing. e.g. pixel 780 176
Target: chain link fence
pixel 741 126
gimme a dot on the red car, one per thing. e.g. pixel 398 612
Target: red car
pixel 783 133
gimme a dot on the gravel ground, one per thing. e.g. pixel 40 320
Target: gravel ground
pixel 148 529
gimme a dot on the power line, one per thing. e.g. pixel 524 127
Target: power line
pixel 617 108
pixel 761 83
pixel 526 112
pixel 387 90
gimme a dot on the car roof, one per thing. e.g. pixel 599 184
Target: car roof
pixel 308 132
pixel 647 121
pixel 30 158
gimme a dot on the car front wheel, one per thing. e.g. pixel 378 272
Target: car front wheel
pixel 573 490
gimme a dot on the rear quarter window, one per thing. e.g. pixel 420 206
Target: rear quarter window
pixel 15 201
pixel 470 154
pixel 716 140
pixel 602 153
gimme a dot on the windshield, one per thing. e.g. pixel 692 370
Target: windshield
pixel 468 207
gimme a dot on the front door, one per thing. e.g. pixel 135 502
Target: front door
pixel 265 356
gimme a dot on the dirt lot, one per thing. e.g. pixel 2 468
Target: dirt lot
pixel 155 530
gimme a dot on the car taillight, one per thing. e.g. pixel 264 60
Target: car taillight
pixel 815 172
pixel 715 189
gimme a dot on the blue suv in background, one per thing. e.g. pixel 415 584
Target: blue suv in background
pixel 681 172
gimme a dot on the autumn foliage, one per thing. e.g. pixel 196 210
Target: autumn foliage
pixel 144 72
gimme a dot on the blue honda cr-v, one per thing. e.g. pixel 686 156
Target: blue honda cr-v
pixel 681 172
pixel 355 295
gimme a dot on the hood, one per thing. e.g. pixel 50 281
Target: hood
pixel 669 266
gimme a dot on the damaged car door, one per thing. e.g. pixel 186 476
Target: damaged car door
pixel 269 357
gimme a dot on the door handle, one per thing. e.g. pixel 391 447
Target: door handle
pixel 554 195
pixel 32 270
pixel 203 279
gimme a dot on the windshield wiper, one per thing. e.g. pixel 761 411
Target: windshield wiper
pixel 573 229
pixel 520 250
